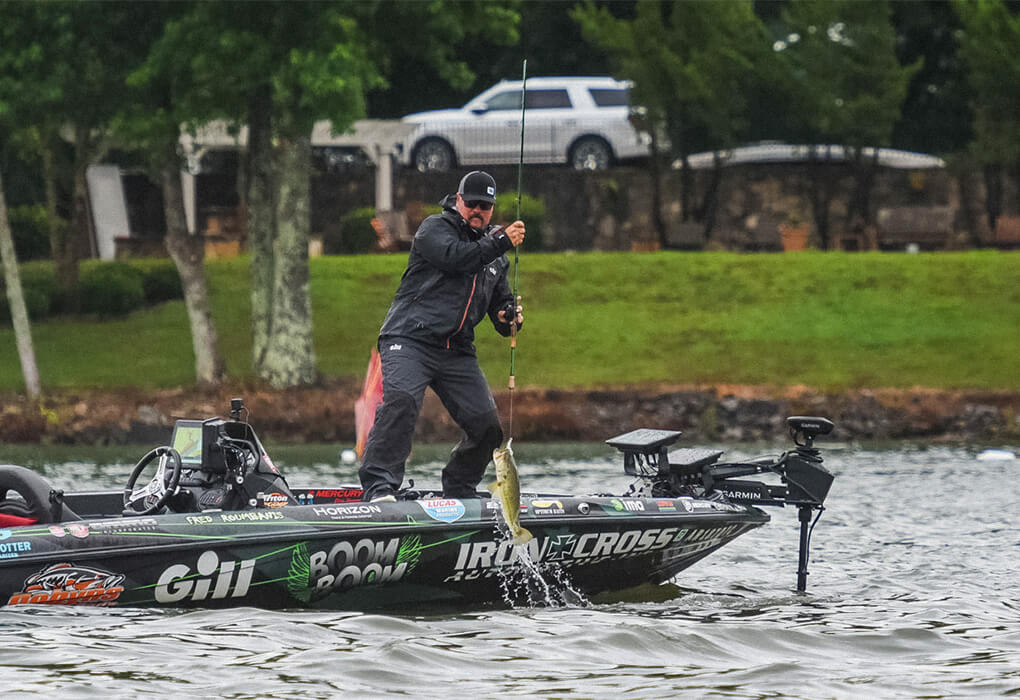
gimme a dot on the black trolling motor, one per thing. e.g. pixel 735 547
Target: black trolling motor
pixel 804 481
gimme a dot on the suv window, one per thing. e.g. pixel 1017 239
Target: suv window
pixel 546 99
pixel 536 99
pixel 610 97
pixel 505 100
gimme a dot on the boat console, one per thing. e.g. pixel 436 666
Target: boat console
pixel 803 480
pixel 209 464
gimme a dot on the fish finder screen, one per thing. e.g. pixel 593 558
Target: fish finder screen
pixel 187 441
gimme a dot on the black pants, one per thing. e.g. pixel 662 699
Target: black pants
pixel 408 368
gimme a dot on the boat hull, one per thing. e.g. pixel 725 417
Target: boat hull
pixel 363 556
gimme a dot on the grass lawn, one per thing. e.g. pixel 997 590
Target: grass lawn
pixel 828 320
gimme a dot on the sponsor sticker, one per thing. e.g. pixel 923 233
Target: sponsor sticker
pixel 211 579
pixel 104 527
pixel 78 530
pixel 343 512
pixel 12 550
pixel 622 506
pixel 363 562
pixel 67 584
pixel 274 500
pixel 445 510
pixel 540 507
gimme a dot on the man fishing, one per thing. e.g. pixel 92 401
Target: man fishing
pixel 456 274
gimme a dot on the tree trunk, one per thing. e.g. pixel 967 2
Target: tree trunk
pixel 290 353
pixel 261 223
pixel 56 225
pixel 864 169
pixel 973 205
pixel 188 253
pixel 655 171
pixel 821 190
pixel 74 242
pixel 16 299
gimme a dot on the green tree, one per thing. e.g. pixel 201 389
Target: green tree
pixel 164 98
pixel 278 67
pixel 988 40
pixel 691 63
pixel 848 88
pixel 62 72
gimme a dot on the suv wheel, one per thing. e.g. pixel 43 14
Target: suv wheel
pixel 590 153
pixel 433 155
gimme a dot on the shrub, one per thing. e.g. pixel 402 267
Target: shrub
pixel 31 231
pixel 39 288
pixel 356 232
pixel 532 214
pixel 160 280
pixel 111 289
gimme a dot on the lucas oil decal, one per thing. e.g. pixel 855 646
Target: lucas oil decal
pixel 446 510
pixel 210 580
pixel 67 584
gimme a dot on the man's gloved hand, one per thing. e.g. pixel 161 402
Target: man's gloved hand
pixel 510 312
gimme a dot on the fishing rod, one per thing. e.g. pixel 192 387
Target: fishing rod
pixel 513 318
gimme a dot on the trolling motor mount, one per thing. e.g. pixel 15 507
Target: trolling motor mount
pixel 805 482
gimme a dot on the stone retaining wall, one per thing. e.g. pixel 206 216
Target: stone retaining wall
pixel 326 414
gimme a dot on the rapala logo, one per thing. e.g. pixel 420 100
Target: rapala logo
pixel 348 564
pixel 211 580
pixel 67 584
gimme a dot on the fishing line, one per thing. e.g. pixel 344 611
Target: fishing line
pixel 513 319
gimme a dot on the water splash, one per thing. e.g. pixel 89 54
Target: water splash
pixel 527 583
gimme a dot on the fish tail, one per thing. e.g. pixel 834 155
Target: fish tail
pixel 522 536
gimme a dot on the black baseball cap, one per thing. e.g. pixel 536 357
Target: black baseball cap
pixel 477 186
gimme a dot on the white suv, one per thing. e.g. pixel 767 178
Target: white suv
pixel 580 121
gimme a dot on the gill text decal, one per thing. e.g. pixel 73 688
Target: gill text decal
pixel 211 580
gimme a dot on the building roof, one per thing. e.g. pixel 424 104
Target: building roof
pixel 774 152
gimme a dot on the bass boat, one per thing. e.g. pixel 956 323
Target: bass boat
pixel 210 521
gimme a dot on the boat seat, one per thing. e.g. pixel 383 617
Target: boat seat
pixel 38 501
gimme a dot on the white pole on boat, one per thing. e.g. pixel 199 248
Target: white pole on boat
pixel 513 318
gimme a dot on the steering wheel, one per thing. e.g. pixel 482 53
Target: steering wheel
pixel 154 495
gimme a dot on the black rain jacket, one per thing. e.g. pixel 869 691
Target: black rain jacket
pixel 455 275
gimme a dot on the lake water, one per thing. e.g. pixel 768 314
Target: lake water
pixel 913 593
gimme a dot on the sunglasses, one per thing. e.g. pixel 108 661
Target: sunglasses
pixel 478 204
